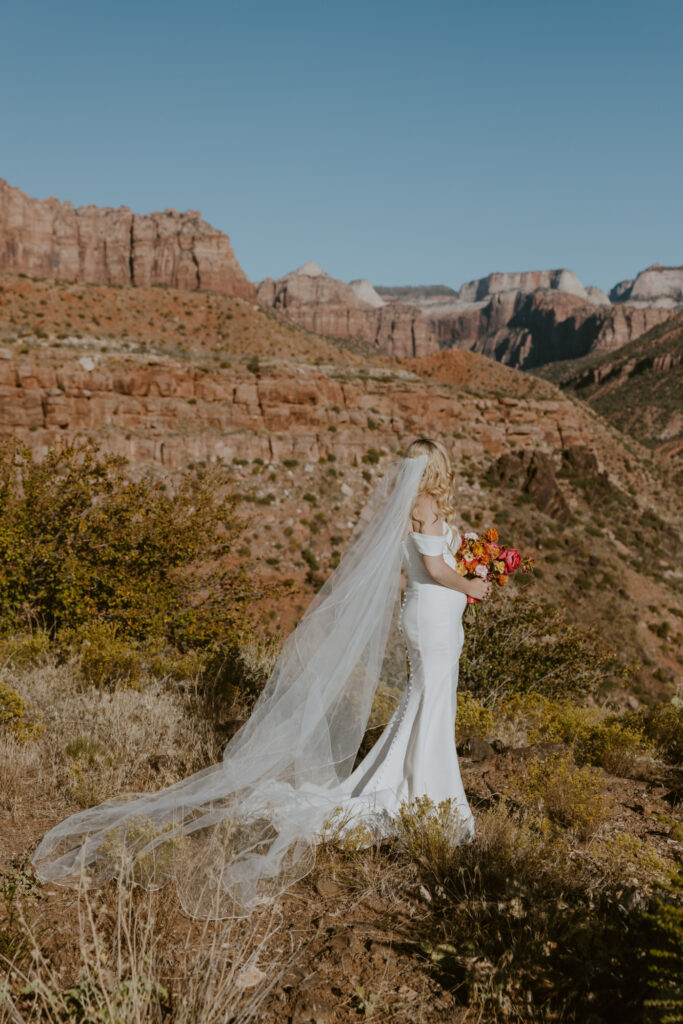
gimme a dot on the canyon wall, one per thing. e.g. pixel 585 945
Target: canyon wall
pixel 160 411
pixel 101 245
pixel 323 304
pixel 532 318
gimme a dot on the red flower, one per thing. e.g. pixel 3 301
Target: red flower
pixel 512 559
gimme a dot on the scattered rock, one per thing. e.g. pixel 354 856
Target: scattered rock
pixel 478 750
pixel 249 976
pixel 328 887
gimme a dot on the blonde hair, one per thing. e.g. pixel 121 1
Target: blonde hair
pixel 438 478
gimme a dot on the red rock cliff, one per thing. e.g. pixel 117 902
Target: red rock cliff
pixel 51 239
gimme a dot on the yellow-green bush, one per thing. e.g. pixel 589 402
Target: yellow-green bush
pixel 623 856
pixel 24 648
pixel 473 718
pixel 569 796
pixel 663 725
pixel 430 833
pixel 612 744
pixel 14 715
pixel 524 646
pixel 104 658
pixel 81 539
pixel 544 718
pixel 611 741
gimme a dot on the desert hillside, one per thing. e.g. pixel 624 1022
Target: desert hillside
pixel 172 380
pixel 120 674
pixel 524 319
pixel 638 387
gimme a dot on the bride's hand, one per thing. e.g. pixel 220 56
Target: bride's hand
pixel 479 589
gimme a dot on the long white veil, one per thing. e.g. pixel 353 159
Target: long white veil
pixel 240 832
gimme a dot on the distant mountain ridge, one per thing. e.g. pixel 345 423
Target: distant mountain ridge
pixel 525 319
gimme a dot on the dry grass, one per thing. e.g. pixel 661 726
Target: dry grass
pixel 124 966
pixel 545 904
pixel 98 743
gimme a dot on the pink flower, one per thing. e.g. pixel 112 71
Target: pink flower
pixel 512 559
pixel 482 571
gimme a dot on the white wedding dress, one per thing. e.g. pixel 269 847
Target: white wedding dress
pixel 416 754
pixel 236 834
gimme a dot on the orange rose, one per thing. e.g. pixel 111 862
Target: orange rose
pixel 502 580
pixel 491 534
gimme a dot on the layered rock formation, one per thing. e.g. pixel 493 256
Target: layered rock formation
pixel 323 304
pixel 55 240
pixel 529 319
pixel 158 410
pixel 529 330
pixel 655 286
pixel 637 388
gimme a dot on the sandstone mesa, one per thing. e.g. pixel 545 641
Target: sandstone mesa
pixel 101 245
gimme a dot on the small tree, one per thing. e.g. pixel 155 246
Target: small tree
pixel 80 538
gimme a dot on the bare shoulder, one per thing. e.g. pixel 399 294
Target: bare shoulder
pixel 425 516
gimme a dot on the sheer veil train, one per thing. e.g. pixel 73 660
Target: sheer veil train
pixel 236 834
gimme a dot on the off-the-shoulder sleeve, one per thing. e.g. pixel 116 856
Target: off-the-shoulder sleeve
pixel 429 545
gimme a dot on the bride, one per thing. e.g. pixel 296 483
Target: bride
pixel 238 833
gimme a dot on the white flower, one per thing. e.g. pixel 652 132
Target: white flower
pixel 482 571
pixel 471 536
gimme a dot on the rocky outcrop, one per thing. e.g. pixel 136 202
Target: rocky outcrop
pixel 529 329
pixel 597 295
pixel 323 304
pixel 535 317
pixel 164 412
pixel 102 245
pixel 655 286
pixel 533 473
pixel 562 280
pixel 636 388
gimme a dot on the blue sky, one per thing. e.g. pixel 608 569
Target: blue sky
pixel 409 143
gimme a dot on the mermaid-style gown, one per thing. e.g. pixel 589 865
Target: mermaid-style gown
pixel 415 754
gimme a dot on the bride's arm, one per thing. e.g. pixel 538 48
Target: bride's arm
pixel 426 520
pixel 442 573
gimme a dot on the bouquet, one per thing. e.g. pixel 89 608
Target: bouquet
pixel 481 555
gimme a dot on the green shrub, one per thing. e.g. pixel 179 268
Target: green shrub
pixel 526 646
pixel 24 648
pixel 612 744
pixel 373 455
pixel 430 834
pixel 665 955
pixel 663 725
pixel 14 715
pixel 473 719
pixel 104 658
pixel 569 796
pixel 81 540
pixel 535 717
pixel 624 856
